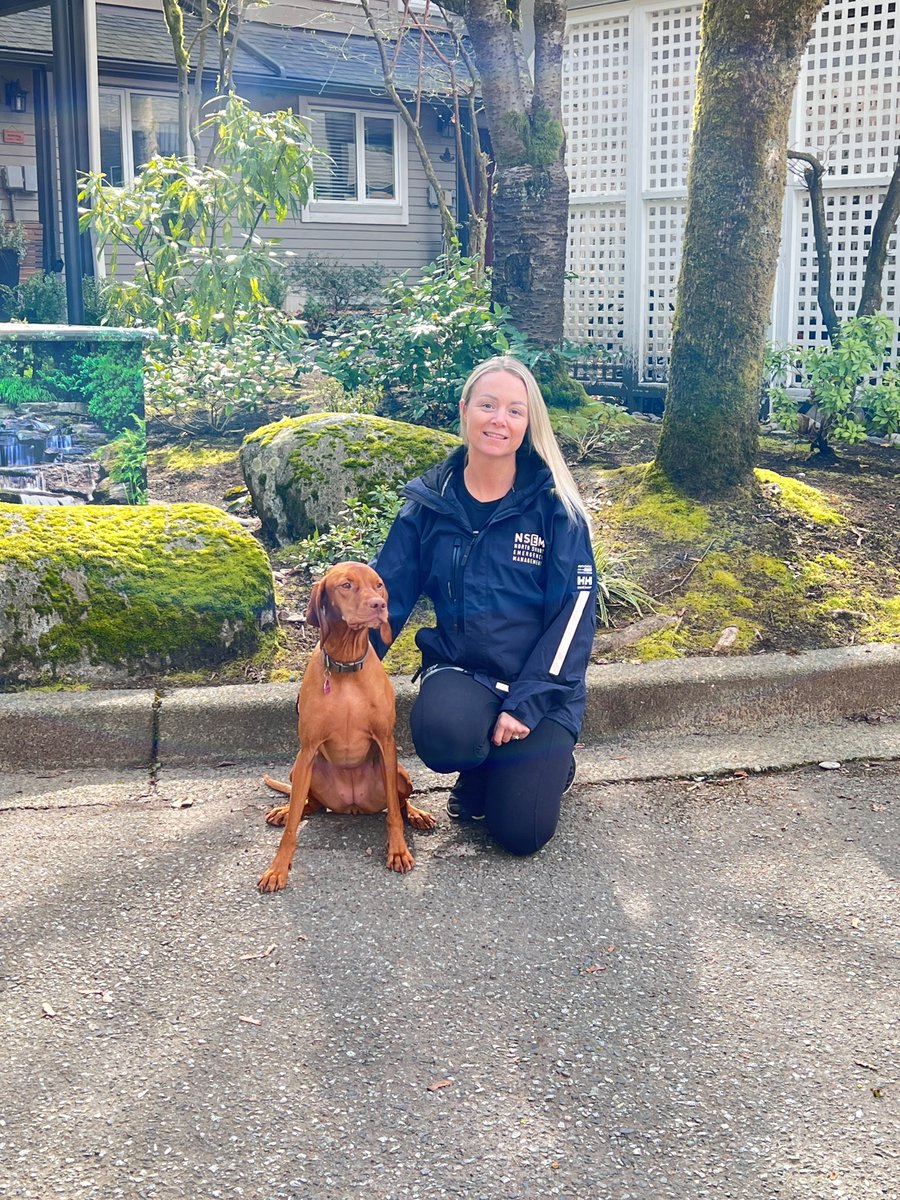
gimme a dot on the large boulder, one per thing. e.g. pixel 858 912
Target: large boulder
pixel 302 471
pixel 105 595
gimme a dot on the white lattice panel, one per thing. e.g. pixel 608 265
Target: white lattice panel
pixel 596 251
pixel 663 235
pixel 674 44
pixel 849 215
pixel 850 90
pixel 595 87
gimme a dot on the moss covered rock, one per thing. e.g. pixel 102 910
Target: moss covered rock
pixel 302 471
pixel 106 594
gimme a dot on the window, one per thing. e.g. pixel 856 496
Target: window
pixel 135 127
pixel 361 173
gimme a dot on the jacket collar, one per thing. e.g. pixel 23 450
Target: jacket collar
pixel 433 488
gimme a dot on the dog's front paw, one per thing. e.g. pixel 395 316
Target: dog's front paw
pixel 277 815
pixel 400 860
pixel 272 880
pixel 419 819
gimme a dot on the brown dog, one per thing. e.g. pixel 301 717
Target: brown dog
pixel 348 756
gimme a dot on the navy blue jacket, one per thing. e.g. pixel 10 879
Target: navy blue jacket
pixel 515 603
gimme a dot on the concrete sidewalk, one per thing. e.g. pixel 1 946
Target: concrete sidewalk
pixel 681 717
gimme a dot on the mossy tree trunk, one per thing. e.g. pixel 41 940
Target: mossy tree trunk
pixel 749 62
pixel 531 187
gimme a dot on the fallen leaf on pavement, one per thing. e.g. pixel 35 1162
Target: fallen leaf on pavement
pixel 250 1020
pixel 592 970
pixel 440 1083
pixel 48 1010
pixel 259 954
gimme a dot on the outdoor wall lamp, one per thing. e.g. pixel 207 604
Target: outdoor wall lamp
pixel 16 96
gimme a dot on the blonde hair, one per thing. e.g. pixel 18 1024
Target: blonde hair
pixel 540 433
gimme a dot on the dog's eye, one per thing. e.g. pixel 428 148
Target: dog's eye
pixel 379 587
pixel 346 585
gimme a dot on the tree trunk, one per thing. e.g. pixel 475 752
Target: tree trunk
pixel 531 187
pixel 530 217
pixel 749 61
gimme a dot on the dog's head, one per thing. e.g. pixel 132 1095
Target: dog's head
pixel 351 593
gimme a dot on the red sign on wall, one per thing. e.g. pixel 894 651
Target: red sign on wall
pixel 16 137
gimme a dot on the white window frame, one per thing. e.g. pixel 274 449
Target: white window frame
pixel 362 212
pixel 124 94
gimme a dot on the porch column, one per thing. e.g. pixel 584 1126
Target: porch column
pixel 64 78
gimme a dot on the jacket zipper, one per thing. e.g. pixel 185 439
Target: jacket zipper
pixel 460 615
pixel 454 567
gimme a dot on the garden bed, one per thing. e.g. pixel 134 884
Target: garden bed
pixel 788 568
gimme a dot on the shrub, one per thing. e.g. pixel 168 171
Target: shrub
pixel 16 390
pixel 211 387
pixel 843 407
pixel 357 537
pixel 14 236
pixel 128 460
pixel 194 230
pixel 112 383
pixel 40 299
pixel 590 429
pixel 420 350
pixel 97 294
pixel 333 289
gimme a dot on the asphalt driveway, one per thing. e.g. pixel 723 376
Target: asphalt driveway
pixel 692 992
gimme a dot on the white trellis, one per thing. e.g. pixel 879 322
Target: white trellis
pixel 628 99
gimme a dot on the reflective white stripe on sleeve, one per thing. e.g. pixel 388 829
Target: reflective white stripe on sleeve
pixel 566 642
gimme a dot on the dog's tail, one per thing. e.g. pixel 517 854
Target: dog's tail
pixel 276 785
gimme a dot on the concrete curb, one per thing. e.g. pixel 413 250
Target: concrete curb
pixel 257 722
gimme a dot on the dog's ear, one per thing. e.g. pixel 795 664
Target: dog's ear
pixel 317 609
pixel 384 632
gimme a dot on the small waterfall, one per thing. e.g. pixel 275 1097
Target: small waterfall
pixel 16 451
pixel 59 442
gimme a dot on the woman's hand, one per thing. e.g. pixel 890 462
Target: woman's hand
pixel 508 729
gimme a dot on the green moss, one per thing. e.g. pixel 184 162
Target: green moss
pixel 404 656
pixel 799 497
pixel 885 623
pixel 189 460
pixel 665 643
pixel 130 586
pixel 266 433
pixel 647 500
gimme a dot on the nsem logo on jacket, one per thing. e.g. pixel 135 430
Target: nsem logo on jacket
pixel 528 548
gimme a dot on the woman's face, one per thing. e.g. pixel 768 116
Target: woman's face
pixel 495 419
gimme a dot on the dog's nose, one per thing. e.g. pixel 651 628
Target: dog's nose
pixel 379 604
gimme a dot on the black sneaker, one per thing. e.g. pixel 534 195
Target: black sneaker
pixel 466 800
pixel 570 778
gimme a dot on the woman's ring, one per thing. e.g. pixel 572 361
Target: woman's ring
pixel 515 737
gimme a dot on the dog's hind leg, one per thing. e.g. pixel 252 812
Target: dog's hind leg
pixel 417 817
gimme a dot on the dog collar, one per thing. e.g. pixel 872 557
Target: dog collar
pixel 343 668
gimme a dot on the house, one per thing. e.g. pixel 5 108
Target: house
pixel 628 101
pixel 372 202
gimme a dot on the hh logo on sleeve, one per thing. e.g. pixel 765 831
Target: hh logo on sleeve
pixel 528 548
pixel 585 577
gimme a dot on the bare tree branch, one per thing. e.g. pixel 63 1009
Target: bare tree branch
pixel 870 297
pixel 448 221
pixel 812 175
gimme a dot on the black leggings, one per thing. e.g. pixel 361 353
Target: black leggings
pixel 520 782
